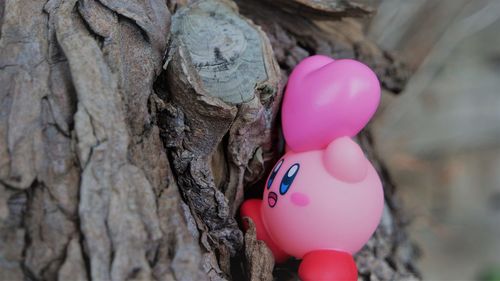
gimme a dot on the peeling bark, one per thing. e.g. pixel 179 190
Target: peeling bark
pixel 131 131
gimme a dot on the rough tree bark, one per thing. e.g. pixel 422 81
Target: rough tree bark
pixel 130 132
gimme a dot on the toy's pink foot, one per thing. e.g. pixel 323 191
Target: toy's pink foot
pixel 251 208
pixel 328 265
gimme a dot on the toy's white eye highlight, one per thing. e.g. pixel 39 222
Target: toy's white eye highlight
pixel 292 170
pixel 288 178
pixel 274 172
pixel 278 166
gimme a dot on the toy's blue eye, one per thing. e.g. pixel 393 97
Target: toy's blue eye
pixel 287 180
pixel 274 172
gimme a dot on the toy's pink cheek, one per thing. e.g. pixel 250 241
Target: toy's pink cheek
pixel 300 199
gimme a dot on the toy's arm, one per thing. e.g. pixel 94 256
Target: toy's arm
pixel 328 265
pixel 251 209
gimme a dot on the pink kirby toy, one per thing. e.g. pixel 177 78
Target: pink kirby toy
pixel 323 199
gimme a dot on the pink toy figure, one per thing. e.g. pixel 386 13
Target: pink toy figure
pixel 323 199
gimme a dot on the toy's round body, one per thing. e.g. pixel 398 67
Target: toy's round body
pixel 318 211
pixel 323 199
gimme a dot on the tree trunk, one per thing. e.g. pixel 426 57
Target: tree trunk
pixel 131 131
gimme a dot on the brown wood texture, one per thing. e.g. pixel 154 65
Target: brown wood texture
pixel 131 131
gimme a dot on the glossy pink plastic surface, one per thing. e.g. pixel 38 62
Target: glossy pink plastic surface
pixel 321 209
pixel 323 194
pixel 327 99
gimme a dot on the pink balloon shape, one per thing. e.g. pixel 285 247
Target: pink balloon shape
pixel 327 99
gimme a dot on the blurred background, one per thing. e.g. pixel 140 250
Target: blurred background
pixel 441 136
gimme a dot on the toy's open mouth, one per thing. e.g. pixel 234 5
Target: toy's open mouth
pixel 272 199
